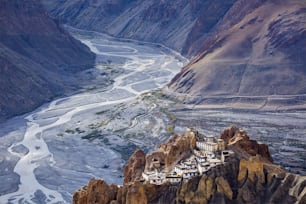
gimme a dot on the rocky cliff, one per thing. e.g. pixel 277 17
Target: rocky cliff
pixel 251 179
pixel 38 58
pixel 238 140
pixel 135 166
pixel 170 153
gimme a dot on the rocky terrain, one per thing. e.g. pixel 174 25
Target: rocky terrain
pixel 260 55
pixel 174 150
pixel 249 177
pixel 242 52
pixel 38 58
pixel 237 140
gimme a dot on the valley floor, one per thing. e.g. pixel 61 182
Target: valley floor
pixel 47 154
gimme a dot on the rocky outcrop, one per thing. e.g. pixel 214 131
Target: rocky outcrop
pixel 214 187
pixel 134 167
pixel 97 191
pixel 231 183
pixel 239 180
pixel 238 139
pixel 38 58
pixel 129 194
pixel 168 154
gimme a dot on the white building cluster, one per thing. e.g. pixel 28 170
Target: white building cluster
pixel 209 153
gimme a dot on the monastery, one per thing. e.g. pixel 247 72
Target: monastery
pixel 208 153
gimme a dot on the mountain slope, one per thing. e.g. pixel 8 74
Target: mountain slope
pixel 262 54
pixel 239 49
pixel 37 57
pixel 175 25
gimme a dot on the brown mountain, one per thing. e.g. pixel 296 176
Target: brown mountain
pixel 38 58
pixel 240 51
pixel 261 53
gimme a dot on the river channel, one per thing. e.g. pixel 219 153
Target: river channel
pixel 47 154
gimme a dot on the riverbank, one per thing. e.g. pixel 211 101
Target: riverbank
pixel 62 144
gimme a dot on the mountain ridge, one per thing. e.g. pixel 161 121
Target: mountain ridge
pixel 237 49
pixel 153 21
pixel 260 55
pixel 39 59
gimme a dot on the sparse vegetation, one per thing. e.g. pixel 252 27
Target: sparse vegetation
pixel 93 135
pixel 105 166
pixel 101 112
pixel 171 116
pixel 92 126
pixel 152 96
pixel 69 131
pixel 170 128
pixel 91 88
pixel 105 140
pixel 79 131
pixel 158 95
